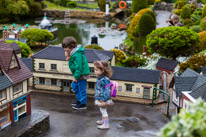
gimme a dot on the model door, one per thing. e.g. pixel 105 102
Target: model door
pixel 146 93
pixel 16 115
pixel 66 86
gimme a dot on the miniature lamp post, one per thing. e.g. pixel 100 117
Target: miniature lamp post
pixel 5 32
pixel 27 26
pixel 94 40
pixel 107 8
pixel 13 28
pixel 19 33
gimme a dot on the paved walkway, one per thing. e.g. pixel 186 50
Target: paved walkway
pixel 126 119
pixel 161 17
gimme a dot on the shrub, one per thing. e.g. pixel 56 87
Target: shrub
pixel 186 12
pixel 36 35
pixel 119 55
pixel 204 11
pixel 137 5
pixel 4 15
pixel 151 2
pixel 94 47
pixel 134 61
pixel 188 23
pixel 72 4
pixel 203 24
pixel 195 28
pixel 178 11
pixel 180 4
pixel 192 7
pixel 146 25
pixel 102 4
pixel 133 27
pixel 173 41
pixel 196 18
pixel 25 49
pixel 202 45
pixel 35 9
pixel 188 123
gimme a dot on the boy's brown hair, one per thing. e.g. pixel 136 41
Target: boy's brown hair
pixel 69 42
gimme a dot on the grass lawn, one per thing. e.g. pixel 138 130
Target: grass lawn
pixel 91 5
pixel 53 6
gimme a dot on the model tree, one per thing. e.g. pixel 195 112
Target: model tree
pixel 173 41
pixel 138 5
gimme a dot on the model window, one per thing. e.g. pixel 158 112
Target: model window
pixel 13 62
pixel 119 88
pixel 42 81
pixel 91 85
pixel 53 82
pixel 22 109
pixel 41 66
pixel 4 116
pixel 2 94
pixel 91 70
pixel 17 88
pixel 137 90
pixel 129 88
pixel 53 66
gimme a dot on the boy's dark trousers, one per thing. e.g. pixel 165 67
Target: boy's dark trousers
pixel 79 89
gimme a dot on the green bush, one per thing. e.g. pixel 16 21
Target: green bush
pixel 94 47
pixel 204 11
pixel 188 23
pixel 146 25
pixel 203 24
pixel 180 4
pixel 102 4
pixel 188 123
pixel 202 45
pixel 195 28
pixel 196 18
pixel 35 10
pixel 134 24
pixel 4 15
pixel 133 61
pixel 72 4
pixel 25 49
pixel 137 5
pixel 177 11
pixel 151 2
pixel 119 55
pixel 172 41
pixel 36 35
pixel 186 12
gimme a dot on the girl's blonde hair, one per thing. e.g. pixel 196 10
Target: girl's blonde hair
pixel 104 66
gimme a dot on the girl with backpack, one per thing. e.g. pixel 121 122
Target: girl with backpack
pixel 102 91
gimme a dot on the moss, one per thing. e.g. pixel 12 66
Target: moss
pixel 93 47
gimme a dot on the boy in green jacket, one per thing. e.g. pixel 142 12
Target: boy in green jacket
pixel 80 69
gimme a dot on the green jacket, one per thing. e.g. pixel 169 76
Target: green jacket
pixel 78 63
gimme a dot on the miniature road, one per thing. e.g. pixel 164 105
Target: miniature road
pixel 162 16
pixel 126 120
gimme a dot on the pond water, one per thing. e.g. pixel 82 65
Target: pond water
pixel 83 30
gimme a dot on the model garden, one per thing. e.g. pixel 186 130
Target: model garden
pixel 127 36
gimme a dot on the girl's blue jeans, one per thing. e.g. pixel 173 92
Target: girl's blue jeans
pixel 79 89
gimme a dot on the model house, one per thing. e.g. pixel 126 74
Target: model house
pixel 51 72
pixel 189 83
pixel 166 65
pixel 15 100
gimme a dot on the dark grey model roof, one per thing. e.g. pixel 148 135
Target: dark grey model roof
pixel 183 84
pixel 15 47
pixel 28 63
pixel 57 53
pixel 199 92
pixel 166 64
pixel 4 81
pixel 136 75
pixel 189 73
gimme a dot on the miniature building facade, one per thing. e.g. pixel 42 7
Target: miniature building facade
pixel 51 72
pixel 15 99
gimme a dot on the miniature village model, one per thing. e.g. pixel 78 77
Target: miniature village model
pixel 51 72
pixel 15 99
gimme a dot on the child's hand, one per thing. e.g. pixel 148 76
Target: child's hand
pixel 74 80
pixel 67 55
pixel 103 104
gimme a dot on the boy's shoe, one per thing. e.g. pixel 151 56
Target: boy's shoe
pixel 79 106
pixel 75 103
pixel 104 126
pixel 100 122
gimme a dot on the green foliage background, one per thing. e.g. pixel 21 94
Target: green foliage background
pixel 138 5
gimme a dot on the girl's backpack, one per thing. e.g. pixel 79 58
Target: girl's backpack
pixel 113 85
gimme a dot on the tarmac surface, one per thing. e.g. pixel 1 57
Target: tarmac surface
pixel 126 119
pixel 162 16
